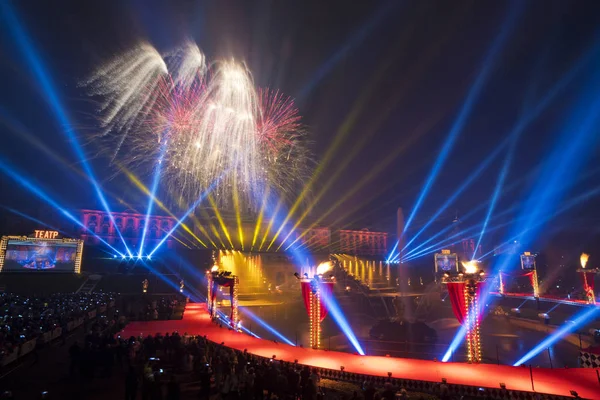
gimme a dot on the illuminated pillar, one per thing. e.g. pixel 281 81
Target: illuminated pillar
pixel 472 321
pixel 501 283
pixel 209 299
pixel 535 284
pixel 467 286
pixel 315 319
pixel 234 303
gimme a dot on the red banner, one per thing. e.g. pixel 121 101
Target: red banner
pixel 326 290
pixel 306 295
pixel 456 293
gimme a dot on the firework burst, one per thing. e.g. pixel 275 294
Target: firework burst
pixel 200 122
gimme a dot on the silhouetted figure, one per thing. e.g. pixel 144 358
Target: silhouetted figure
pixel 74 355
pixel 173 390
pixel 131 384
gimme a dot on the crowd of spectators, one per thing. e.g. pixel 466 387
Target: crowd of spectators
pixel 158 365
pixel 24 318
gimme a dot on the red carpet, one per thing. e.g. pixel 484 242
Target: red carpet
pixel 551 381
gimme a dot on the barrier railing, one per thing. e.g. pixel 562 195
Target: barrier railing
pixel 418 385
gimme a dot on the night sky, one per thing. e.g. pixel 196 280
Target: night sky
pixel 384 74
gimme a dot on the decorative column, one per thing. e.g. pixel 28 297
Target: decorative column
pixel 535 284
pixel 464 291
pixel 234 319
pixel 588 276
pixel 210 301
pixel 314 290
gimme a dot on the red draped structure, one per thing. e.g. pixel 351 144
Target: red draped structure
pixel 313 293
pixel 456 293
pixel 532 274
pixel 215 280
pixel 464 294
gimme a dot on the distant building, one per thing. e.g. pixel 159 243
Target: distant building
pixel 363 242
pixel 315 238
pixel 129 224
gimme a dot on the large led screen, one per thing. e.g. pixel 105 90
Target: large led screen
pixel 40 255
pixel 446 262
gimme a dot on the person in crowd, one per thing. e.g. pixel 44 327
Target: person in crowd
pixel 173 389
pixel 74 354
pixel 131 384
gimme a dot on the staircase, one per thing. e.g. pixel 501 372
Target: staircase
pixel 89 284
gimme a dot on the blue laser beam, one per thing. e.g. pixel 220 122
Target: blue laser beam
pixel 27 184
pixel 567 328
pixel 152 195
pixel 392 252
pixel 338 317
pixel 375 20
pixel 497 191
pixel 459 191
pixel 268 327
pixel 43 77
pixel 33 219
pixel 465 111
pixel 186 214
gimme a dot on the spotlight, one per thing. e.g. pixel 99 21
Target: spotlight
pixel 148 257
pixel 444 380
pixel 297 275
pixel 342 368
pixel 139 256
pixel 503 385
pixel 389 374
pixel 114 256
pixel 274 356
pixel 123 256
pixel 574 394
pixel 332 277
pixel 306 275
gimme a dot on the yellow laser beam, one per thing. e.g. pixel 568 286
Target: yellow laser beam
pixel 417 133
pixel 220 219
pixel 354 114
pixel 260 217
pixel 238 219
pixel 159 203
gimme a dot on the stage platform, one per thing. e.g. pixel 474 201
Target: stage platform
pixel 196 321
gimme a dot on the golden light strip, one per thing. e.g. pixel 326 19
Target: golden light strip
pixel 260 217
pixel 213 204
pixel 270 225
pixel 417 133
pixel 160 204
pixel 409 79
pixel 238 218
